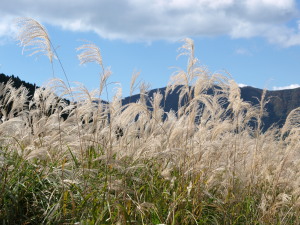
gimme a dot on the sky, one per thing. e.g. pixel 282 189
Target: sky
pixel 256 42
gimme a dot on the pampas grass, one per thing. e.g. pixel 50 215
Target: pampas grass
pixel 67 161
pixel 35 36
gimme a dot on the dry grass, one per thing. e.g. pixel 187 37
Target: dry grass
pixel 218 170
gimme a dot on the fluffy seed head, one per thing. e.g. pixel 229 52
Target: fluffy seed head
pixel 90 53
pixel 33 35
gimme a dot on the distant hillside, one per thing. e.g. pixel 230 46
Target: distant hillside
pixel 280 105
pixel 17 82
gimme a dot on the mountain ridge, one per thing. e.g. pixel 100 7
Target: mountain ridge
pixel 281 102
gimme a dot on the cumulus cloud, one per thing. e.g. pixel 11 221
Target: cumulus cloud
pixel 292 86
pixel 148 20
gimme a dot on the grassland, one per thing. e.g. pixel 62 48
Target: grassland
pixel 203 164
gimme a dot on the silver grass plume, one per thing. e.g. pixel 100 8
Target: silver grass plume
pixel 236 103
pixel 188 77
pixel 89 53
pixel 292 122
pixel 134 77
pixel 188 48
pixel 35 36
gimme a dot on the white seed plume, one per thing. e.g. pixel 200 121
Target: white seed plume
pixel 89 53
pixel 34 35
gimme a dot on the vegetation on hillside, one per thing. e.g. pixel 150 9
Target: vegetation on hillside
pixel 203 164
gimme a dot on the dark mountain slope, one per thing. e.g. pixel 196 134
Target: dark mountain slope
pixel 17 82
pixel 171 103
pixel 280 105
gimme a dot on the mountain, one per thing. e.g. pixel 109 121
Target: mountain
pixel 17 82
pixel 281 102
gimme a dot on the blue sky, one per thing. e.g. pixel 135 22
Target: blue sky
pixel 256 41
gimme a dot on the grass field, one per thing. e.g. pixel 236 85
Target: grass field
pixel 203 164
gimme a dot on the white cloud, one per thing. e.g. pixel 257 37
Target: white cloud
pixel 148 20
pixel 6 25
pixel 243 85
pixel 292 86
